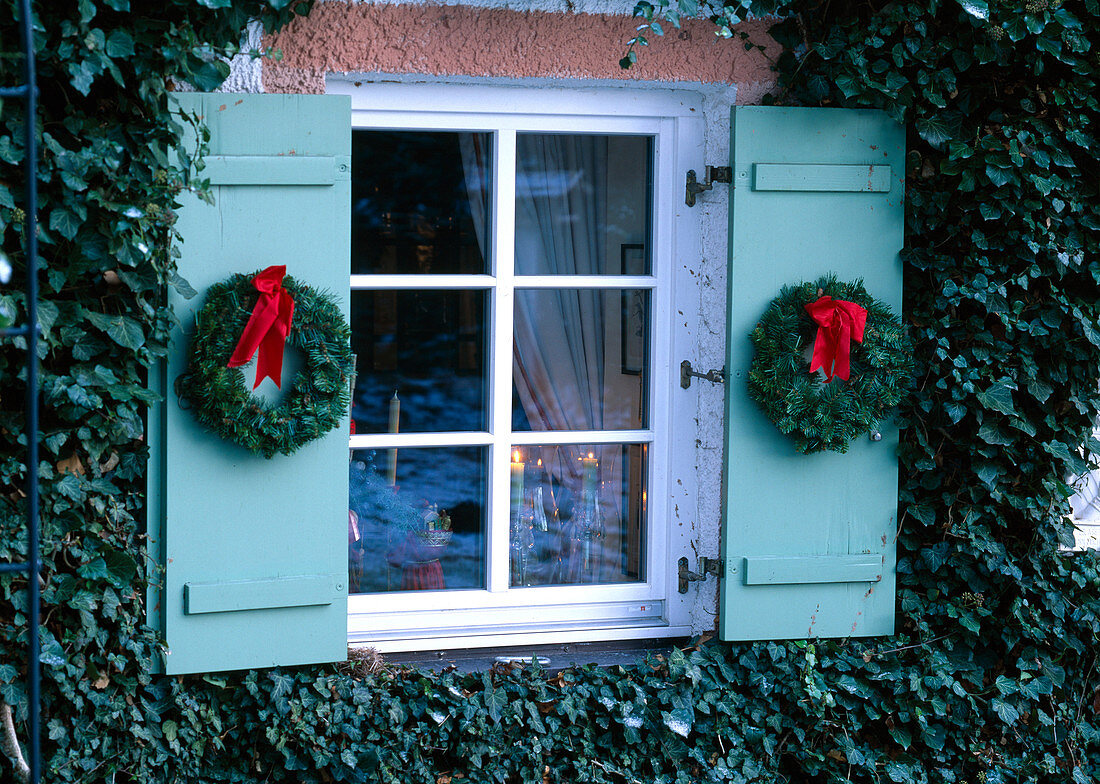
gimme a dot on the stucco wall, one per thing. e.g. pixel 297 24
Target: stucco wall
pixel 556 42
pixel 453 40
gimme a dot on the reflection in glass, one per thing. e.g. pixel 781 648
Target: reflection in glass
pixel 577 514
pixel 428 348
pixel 416 519
pixel 418 202
pixel 579 359
pixel 583 202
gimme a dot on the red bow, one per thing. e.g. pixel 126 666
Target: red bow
pixel 838 323
pixel 267 327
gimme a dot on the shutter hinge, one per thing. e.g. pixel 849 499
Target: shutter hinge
pixel 687 373
pixel 715 566
pixel 714 174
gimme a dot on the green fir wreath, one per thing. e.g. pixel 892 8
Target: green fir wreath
pixel 818 415
pixel 319 395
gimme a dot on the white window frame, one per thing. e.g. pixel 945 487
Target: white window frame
pixel 406 621
pixel 1086 532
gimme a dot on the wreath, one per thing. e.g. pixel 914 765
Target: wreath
pixel 245 314
pixel 830 362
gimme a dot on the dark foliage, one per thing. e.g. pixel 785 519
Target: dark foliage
pixel 992 676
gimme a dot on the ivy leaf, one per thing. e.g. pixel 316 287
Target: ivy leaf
pixel 998 397
pixel 988 473
pixel 182 287
pixel 679 721
pixel 956 411
pixel 991 434
pixel 121 329
pixel 1006 711
pixel 495 701
pixel 282 684
pixel 901 736
pixel 934 130
pixel 65 222
pixel 119 44
pixel 997 175
pixel 903 774
pixel 121 567
pixel 51 653
pixel 979 9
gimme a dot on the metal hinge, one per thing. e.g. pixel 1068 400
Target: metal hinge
pixel 687 373
pixel 714 174
pixel 715 566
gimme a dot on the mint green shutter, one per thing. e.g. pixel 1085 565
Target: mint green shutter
pixel 808 539
pixel 254 550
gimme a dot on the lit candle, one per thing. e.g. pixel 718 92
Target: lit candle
pixel 590 467
pixel 395 420
pixel 517 482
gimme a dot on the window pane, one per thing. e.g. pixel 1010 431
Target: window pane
pixel 419 202
pixel 580 359
pixel 583 204
pixel 416 519
pixel 578 514
pixel 429 348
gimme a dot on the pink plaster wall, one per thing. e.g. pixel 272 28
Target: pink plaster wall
pixel 435 40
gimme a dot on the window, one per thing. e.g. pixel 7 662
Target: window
pixel 807 542
pixel 512 294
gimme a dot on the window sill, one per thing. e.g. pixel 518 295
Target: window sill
pixel 552 658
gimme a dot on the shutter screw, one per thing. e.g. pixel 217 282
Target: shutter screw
pixel 876 436
pixel 339 586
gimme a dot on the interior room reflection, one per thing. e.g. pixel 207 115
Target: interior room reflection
pixel 577 514
pixel 416 519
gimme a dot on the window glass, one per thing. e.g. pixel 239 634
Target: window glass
pixel 416 519
pixel 579 359
pixel 577 514
pixel 428 349
pixel 583 204
pixel 418 202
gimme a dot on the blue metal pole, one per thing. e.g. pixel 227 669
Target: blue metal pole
pixel 33 562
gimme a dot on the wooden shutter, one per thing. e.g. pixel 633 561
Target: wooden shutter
pixel 809 539
pixel 254 550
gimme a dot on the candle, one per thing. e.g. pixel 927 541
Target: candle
pixel 590 466
pixel 395 420
pixel 517 483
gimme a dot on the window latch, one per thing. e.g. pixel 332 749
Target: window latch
pixel 687 373
pixel 714 174
pixel 707 566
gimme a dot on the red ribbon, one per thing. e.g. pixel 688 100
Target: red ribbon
pixel 838 323
pixel 267 327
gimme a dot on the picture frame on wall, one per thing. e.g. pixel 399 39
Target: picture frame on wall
pixel 633 262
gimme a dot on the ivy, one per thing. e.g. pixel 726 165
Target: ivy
pixel 992 675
